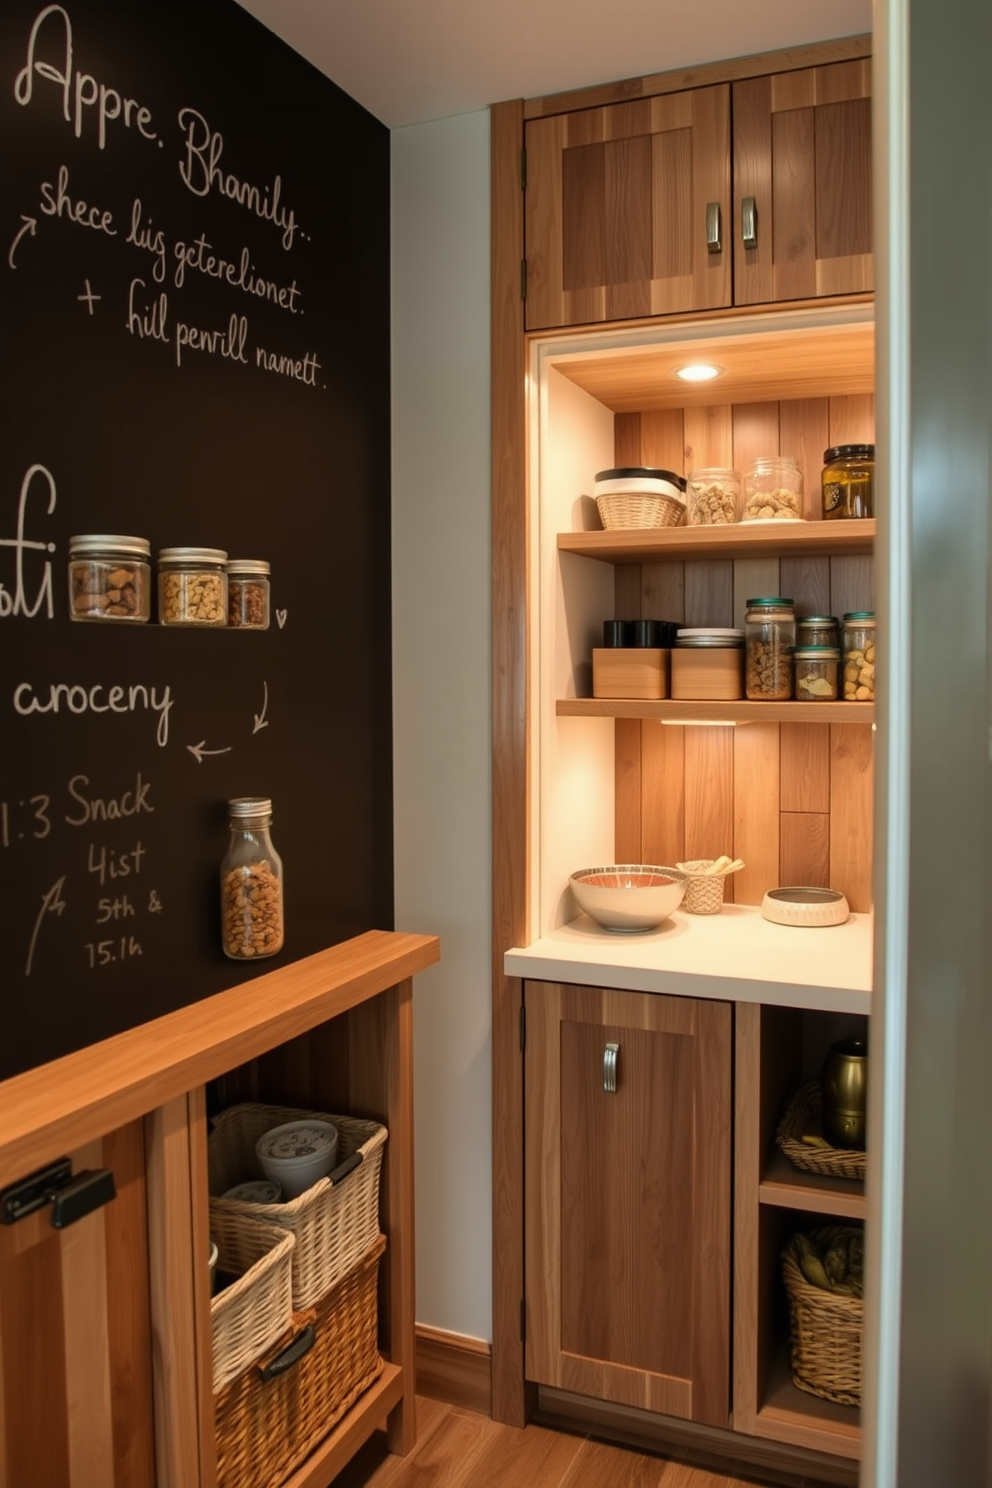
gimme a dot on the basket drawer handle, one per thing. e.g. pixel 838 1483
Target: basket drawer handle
pixel 291 1354
pixel 343 1169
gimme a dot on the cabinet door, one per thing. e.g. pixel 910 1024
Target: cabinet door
pixel 615 214
pixel 627 1198
pixel 802 155
pixel 75 1337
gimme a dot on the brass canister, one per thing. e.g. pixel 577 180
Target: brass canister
pixel 844 1088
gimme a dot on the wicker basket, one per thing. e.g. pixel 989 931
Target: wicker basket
pixel 274 1413
pixel 335 1222
pixel 804 1118
pixel 825 1330
pixel 639 509
pixel 248 1316
pixel 704 891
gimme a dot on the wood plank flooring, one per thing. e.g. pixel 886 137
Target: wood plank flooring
pixel 461 1449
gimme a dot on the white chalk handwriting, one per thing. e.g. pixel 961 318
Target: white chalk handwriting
pixel 75 698
pixel 200 173
pixel 16 601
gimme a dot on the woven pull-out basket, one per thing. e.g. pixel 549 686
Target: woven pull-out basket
pixel 825 1329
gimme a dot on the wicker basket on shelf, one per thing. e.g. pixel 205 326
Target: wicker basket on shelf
pixel 825 1329
pixel 272 1415
pixel 639 509
pixel 335 1222
pixel 254 1310
pixel 804 1118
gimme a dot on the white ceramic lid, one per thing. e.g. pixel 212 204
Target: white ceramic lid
pixel 256 1191
pixel 295 1141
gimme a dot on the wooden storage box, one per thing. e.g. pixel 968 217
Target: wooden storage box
pixel 335 1221
pixel 630 672
pixel 708 674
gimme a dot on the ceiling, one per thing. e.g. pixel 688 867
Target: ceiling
pixel 411 60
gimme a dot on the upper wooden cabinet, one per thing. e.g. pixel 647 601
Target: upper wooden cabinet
pixel 616 209
pixel 628 210
pixel 802 162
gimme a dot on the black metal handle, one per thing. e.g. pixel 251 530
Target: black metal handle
pixel 343 1169
pixel 291 1354
pixel 71 1197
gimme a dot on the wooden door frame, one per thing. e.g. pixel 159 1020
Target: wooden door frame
pixel 512 1401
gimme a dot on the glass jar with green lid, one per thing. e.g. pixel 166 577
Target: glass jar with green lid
pixel 858 644
pixel 769 640
pixel 816 673
pixel 847 484
pixel 817 630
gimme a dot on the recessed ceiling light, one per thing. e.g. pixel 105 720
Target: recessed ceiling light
pixel 699 372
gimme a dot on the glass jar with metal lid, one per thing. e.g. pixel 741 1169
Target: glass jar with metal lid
pixel 769 639
pixel 192 586
pixel 251 900
pixel 848 481
pixel 816 673
pixel 248 594
pixel 110 577
pixel 858 644
pixel 817 630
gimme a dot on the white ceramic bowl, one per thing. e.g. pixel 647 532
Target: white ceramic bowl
pixel 255 1191
pixel 297 1154
pixel 629 896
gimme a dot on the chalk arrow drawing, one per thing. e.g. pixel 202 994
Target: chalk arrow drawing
pixel 30 223
pixel 199 750
pixel 260 719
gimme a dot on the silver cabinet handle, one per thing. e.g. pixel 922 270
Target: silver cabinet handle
pixel 713 240
pixel 749 222
pixel 610 1068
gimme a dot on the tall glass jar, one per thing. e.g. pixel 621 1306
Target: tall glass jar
pixel 109 577
pixel 848 481
pixel 858 644
pixel 769 640
pixel 251 883
pixel 192 586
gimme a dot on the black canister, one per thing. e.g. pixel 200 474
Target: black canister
pixel 844 1089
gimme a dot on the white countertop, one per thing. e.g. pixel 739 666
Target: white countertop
pixel 734 956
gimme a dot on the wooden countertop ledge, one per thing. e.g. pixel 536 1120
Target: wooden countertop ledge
pixel 57 1107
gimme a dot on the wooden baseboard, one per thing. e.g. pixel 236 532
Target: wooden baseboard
pixel 703 1446
pixel 455 1369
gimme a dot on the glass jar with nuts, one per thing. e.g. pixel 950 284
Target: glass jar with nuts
pixel 859 656
pixel 773 490
pixel 251 904
pixel 769 640
pixel 816 673
pixel 248 594
pixel 109 577
pixel 192 586
pixel 712 496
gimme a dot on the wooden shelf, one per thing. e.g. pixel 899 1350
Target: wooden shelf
pixel 742 540
pixel 366 1416
pixel 715 712
pixel 785 1187
pixel 791 1415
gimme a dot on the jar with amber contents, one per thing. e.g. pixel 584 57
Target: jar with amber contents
pixel 251 903
pixel 848 481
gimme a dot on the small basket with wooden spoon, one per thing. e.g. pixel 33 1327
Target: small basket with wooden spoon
pixel 704 890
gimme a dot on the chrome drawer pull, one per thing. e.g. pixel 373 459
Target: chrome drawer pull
pixel 610 1068
pixel 749 222
pixel 713 238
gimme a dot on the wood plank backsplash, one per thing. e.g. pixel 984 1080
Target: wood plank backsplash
pixel 793 800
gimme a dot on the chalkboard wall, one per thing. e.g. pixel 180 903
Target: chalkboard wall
pixel 194 343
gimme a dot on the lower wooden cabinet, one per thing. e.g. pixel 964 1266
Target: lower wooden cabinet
pixel 627 1198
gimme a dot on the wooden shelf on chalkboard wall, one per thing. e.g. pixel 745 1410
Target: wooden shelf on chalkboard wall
pixel 182 366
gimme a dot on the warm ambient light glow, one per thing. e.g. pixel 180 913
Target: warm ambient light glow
pixel 699 372
pixel 705 722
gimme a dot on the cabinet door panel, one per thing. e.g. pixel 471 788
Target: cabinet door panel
pixel 75 1337
pixel 802 150
pixel 627 1243
pixel 615 209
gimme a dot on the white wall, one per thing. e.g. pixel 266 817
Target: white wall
pixel 441 690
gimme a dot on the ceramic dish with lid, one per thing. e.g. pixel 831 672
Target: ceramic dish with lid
pixel 297 1154
pixel 255 1191
pixel 628 896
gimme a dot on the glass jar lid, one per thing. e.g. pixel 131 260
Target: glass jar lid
pixel 816 653
pixel 859 617
pixel 848 452
pixel 86 544
pixel 243 807
pixel 257 566
pixel 711 636
pixel 817 620
pixel 192 555
pixel 779 602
